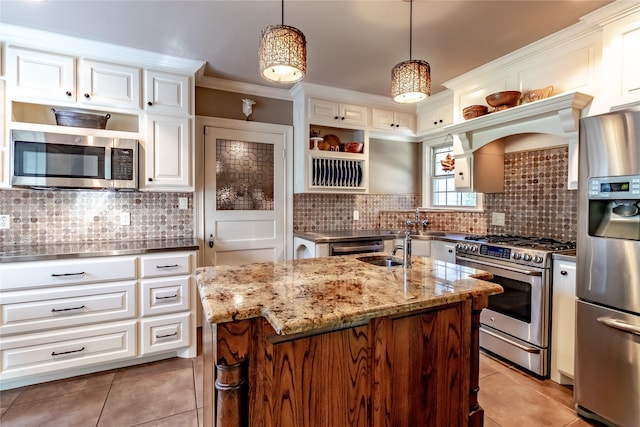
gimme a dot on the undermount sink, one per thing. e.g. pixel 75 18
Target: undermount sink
pixel 381 260
pixel 427 233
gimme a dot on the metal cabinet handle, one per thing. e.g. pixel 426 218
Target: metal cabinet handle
pixel 166 266
pixel 620 325
pixel 82 273
pixel 532 350
pixel 53 353
pixel 149 103
pixel 68 93
pixel 167 336
pixel 168 297
pixel 86 95
pixel 58 310
pixel 563 273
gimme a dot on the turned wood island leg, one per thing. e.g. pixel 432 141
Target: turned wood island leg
pixel 476 413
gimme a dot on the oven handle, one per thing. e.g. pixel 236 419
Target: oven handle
pixel 513 343
pixel 338 248
pixel 620 325
pixel 504 267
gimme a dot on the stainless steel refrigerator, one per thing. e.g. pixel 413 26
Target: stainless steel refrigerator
pixel 607 369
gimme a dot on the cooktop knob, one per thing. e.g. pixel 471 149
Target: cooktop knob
pixel 473 248
pixel 465 247
pixel 537 259
pixel 458 245
pixel 517 256
pixel 526 257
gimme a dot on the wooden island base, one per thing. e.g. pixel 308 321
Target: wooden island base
pixel 414 369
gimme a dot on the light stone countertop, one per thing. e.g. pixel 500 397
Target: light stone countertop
pixel 321 294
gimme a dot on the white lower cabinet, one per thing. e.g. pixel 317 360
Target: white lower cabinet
pixel 444 251
pixel 45 352
pixel 563 321
pixel 65 317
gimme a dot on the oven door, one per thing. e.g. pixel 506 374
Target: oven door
pixel 515 324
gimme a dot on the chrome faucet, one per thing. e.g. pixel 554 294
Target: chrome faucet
pixel 415 223
pixel 406 250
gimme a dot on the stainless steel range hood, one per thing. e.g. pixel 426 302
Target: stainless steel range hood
pixel 558 115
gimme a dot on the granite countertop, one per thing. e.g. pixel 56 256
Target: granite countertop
pixel 18 253
pixel 326 293
pixel 567 256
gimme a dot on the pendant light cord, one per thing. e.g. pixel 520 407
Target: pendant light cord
pixel 410 27
pixel 282 17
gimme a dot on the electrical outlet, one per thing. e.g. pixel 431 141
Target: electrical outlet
pixel 125 218
pixel 497 218
pixel 356 215
pixel 183 203
pixel 5 222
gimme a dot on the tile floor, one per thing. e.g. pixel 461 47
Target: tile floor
pixel 169 394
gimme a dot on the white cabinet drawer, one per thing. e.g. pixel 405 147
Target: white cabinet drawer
pixel 42 309
pixel 161 296
pixel 21 275
pixel 47 352
pixel 163 333
pixel 165 265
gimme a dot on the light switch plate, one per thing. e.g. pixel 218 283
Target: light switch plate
pixel 5 222
pixel 125 218
pixel 356 215
pixel 183 203
pixel 497 218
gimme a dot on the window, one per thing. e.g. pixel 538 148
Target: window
pixel 443 193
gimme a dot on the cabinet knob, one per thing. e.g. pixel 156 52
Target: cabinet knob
pixel 435 123
pixel 460 173
pixel 68 93
pixel 450 251
pixel 440 120
pixel 336 117
pixel 150 179
pixel 397 125
pixel 563 273
pixel 149 103
pixel 342 118
pixel 392 125
pixel 86 95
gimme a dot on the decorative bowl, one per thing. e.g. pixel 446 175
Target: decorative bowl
pixel 538 94
pixel 330 143
pixel 474 111
pixel 352 147
pixel 81 120
pixel 506 99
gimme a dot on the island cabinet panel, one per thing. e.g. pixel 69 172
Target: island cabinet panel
pixel 412 369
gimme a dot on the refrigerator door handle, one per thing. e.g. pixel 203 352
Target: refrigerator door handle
pixel 620 325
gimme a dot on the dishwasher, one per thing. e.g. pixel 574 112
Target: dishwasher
pixel 355 247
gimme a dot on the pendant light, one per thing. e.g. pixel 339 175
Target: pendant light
pixel 283 53
pixel 411 80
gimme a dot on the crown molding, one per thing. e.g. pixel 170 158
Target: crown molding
pixel 246 88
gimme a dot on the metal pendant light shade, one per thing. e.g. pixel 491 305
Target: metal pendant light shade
pixel 411 80
pixel 283 53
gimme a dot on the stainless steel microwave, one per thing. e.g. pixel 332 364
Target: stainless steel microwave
pixel 54 160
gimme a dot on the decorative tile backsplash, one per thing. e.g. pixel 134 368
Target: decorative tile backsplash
pixel 45 217
pixel 535 203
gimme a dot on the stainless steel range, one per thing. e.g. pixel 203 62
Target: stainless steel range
pixel 516 324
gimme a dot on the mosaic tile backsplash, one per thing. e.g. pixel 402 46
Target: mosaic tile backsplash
pixel 535 202
pixel 45 217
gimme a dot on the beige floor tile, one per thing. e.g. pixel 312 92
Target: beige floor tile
pixel 510 404
pixel 200 417
pixel 488 422
pixel 149 398
pixel 186 419
pixel 65 386
pixel 162 366
pixel 198 378
pixel 7 397
pixel 79 409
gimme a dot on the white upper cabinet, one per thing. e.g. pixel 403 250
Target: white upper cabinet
pixel 62 79
pixel 389 120
pixel 435 113
pixel 166 93
pixel 167 155
pixel 335 113
pixel 41 75
pixel 109 85
pixel 621 44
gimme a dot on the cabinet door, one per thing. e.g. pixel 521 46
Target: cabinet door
pixel 405 122
pixel 39 75
pixel 463 173
pixel 563 321
pixel 331 112
pixel 420 247
pixel 444 251
pixel 353 115
pixel 620 59
pixel 109 85
pixel 382 119
pixel 166 93
pixel 167 154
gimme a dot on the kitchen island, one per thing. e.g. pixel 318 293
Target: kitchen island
pixel 340 342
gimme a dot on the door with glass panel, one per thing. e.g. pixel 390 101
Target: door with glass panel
pixel 244 196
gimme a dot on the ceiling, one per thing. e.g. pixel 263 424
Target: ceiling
pixel 351 44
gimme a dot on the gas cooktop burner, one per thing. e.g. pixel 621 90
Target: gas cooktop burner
pixel 538 243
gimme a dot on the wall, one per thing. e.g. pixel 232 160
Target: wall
pixel 395 167
pixel 228 105
pixel 48 217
